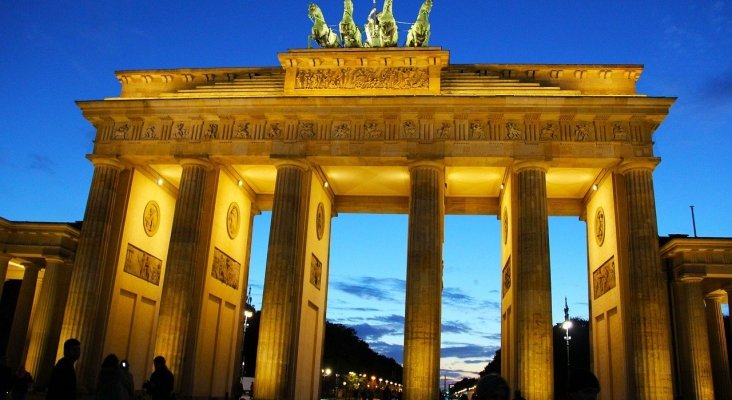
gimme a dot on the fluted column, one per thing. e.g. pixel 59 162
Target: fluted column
pixel 21 318
pixel 649 325
pixel 423 308
pixel 278 326
pixel 694 364
pixel 47 320
pixel 184 267
pixel 4 262
pixel 533 286
pixel 718 347
pixel 89 269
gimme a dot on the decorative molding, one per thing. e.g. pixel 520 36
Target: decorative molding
pixel 603 278
pixel 143 265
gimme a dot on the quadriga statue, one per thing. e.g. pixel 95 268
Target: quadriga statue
pixel 419 33
pixel 321 32
pixel 350 33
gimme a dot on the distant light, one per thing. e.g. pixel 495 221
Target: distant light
pixel 566 324
pixel 325 185
pixel 240 183
pixel 502 186
pixel 594 187
pixel 248 313
pixel 160 181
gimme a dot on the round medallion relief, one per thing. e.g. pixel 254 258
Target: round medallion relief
pixel 233 220
pixel 320 221
pixel 600 226
pixel 151 218
pixel 505 226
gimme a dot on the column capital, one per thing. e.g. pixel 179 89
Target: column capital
pixel 292 162
pixel 520 165
pixel 715 296
pixel 106 161
pixel 434 164
pixel 648 164
pixel 201 161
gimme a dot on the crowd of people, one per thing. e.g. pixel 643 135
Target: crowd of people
pixel 115 382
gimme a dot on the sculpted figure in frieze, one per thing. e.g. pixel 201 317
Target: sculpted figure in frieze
pixel 619 132
pixel 350 33
pixel 581 131
pixel 476 130
pixel 419 33
pixel 305 130
pixel 548 132
pixel 321 32
pixel 512 132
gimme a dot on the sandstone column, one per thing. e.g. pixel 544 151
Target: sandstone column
pixel 4 262
pixel 533 286
pixel 718 347
pixel 648 323
pixel 21 318
pixel 278 326
pixel 47 320
pixel 184 269
pixel 422 324
pixel 693 342
pixel 90 266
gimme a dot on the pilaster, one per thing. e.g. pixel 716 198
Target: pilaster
pixel 278 327
pixel 694 364
pixel 718 347
pixel 648 323
pixel 90 267
pixel 21 319
pixel 424 282
pixel 533 287
pixel 184 270
pixel 47 320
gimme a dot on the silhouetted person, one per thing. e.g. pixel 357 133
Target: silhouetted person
pixel 109 383
pixel 582 385
pixel 62 385
pixel 128 381
pixel 517 395
pixel 160 385
pixel 492 387
pixel 21 383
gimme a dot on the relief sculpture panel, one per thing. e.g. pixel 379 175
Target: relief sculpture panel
pixel 363 78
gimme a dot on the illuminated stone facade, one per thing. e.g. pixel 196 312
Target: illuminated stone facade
pixel 185 159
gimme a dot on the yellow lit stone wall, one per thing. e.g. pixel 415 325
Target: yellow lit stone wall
pixel 216 345
pixel 313 303
pixel 608 343
pixel 134 305
pixel 508 319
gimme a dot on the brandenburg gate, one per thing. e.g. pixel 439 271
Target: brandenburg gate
pixel 184 159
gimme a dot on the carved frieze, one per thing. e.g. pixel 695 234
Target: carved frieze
pixel 444 130
pixel 582 131
pixel 180 131
pixel 512 131
pixel 341 130
pixel 373 129
pixel 476 130
pixel 506 278
pixel 210 130
pixel 600 226
pixel 362 78
pixel 410 129
pixel 225 269
pixel 306 130
pixel 619 132
pixel 121 131
pixel 243 130
pixel 151 132
pixel 275 130
pixel 316 272
pixel 550 131
pixel 143 265
pixel 603 278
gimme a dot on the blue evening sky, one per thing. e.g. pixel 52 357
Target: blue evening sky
pixel 53 53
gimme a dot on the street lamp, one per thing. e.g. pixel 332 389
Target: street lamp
pixel 248 312
pixel 566 325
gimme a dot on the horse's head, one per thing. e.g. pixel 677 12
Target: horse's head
pixel 387 6
pixel 426 7
pixel 348 7
pixel 314 12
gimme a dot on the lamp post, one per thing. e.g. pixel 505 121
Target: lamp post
pixel 248 312
pixel 566 325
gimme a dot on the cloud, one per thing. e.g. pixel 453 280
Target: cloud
pixel 456 297
pixel 455 327
pixel 371 333
pixel 469 351
pixel 41 163
pixel 395 351
pixel 372 288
